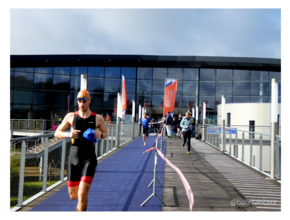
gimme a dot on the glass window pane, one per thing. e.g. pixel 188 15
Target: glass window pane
pixel 224 88
pixel 97 110
pixel 190 88
pixel 61 70
pixel 157 101
pixel 189 102
pixel 260 99
pixel 61 99
pixel 279 88
pixel 224 75
pixel 207 74
pixel 112 112
pixel 144 86
pixel 77 71
pixel 272 75
pixel 75 83
pixel 260 88
pixel 112 72
pixel 241 99
pixel 96 71
pixel 179 88
pixel 160 73
pixel 130 98
pixel 229 99
pixel 97 100
pixel 259 75
pixel 24 69
pixel 175 73
pixel 144 100
pixel 241 88
pixel 61 111
pixel 112 85
pixel 110 100
pixel 158 87
pixel 23 80
pixel 190 74
pixel 240 75
pixel 207 88
pixel 22 96
pixel 144 73
pixel 130 85
pixel 95 84
pixel 209 100
pixel 43 81
pixel 61 82
pixel 11 77
pixel 128 72
pixel 178 101
pixel 42 97
pixel 43 70
pixel 73 99
pixel 11 97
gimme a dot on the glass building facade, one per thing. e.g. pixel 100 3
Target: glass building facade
pixel 45 91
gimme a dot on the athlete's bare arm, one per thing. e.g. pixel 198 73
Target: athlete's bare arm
pixel 67 121
pixel 100 123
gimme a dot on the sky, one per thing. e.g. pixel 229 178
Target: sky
pixel 188 32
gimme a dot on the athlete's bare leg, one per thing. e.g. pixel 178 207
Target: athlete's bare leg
pixel 73 192
pixel 83 196
pixel 144 139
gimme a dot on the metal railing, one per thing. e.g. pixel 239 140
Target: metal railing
pixel 278 157
pixel 37 168
pixel 33 125
pixel 251 148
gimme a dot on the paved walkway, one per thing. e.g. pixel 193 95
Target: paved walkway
pixel 218 182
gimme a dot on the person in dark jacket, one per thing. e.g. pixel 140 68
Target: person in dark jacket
pixel 168 122
pixel 173 128
pixel 185 124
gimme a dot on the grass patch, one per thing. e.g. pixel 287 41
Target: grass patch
pixel 30 189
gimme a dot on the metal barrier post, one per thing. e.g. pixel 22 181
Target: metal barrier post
pixel 118 132
pixel 243 143
pixel 261 151
pixel 96 148
pixel 274 123
pixel 230 150
pixel 162 139
pixel 62 159
pixel 154 179
pixel 45 165
pixel 102 147
pixel 107 145
pixel 236 144
pixel 251 148
pixel 21 177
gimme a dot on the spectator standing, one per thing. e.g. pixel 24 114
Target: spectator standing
pixel 173 128
pixel 168 122
pixel 178 126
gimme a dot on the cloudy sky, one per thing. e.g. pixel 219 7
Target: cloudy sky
pixel 196 32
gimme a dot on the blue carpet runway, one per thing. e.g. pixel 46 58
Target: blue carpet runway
pixel 120 183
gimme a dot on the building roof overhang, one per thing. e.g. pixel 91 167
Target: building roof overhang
pixel 146 61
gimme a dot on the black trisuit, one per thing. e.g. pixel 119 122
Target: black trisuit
pixel 82 160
